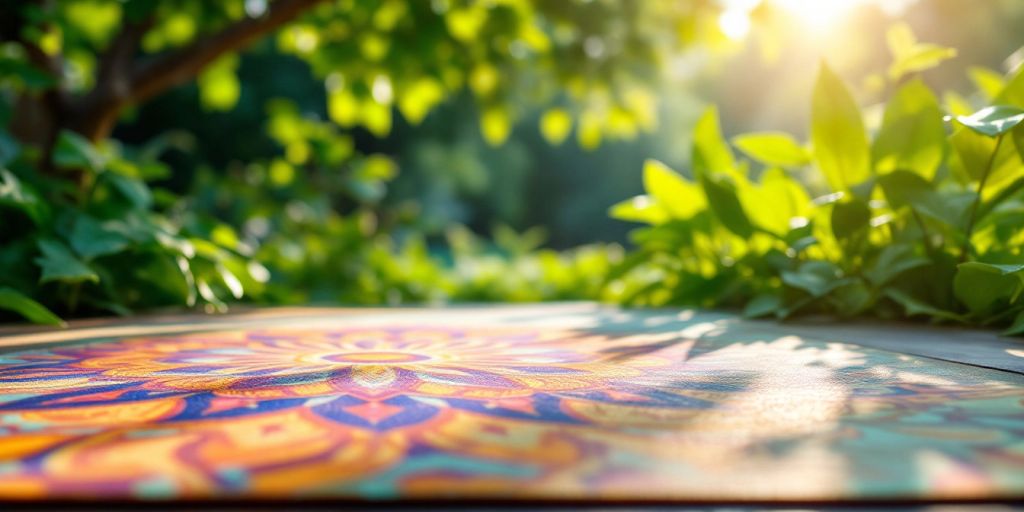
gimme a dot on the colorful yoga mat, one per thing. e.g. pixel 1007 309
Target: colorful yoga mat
pixel 538 403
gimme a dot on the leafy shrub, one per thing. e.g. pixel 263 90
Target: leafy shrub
pixel 924 218
pixel 87 237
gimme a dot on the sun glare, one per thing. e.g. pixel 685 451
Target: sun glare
pixel 816 16
pixel 820 15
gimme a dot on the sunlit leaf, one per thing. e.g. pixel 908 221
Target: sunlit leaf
pixel 989 82
pixel 773 148
pixel 912 134
pixel 679 197
pixel 640 209
pixel 839 141
pixel 711 154
pixel 993 121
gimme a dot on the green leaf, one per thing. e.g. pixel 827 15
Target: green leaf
pixel 722 198
pixel 974 157
pixel 1013 91
pixel 133 189
pixel 850 218
pixel 904 188
pixel 679 197
pixel 775 201
pixel 773 148
pixel 912 135
pixel 711 154
pixel 817 278
pixel 993 121
pixel 914 306
pixel 1017 328
pixel 60 264
pixel 639 209
pixel 893 261
pixel 989 82
pixel 89 238
pixel 840 144
pixel 983 287
pixel 853 298
pixel 763 305
pixel 920 58
pixel 74 151
pixel 13 300
pixel 16 195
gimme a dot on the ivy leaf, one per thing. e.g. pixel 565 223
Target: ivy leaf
pixel 912 134
pixel 840 144
pixel 993 121
pixel 60 264
pixel 13 300
pixel 773 148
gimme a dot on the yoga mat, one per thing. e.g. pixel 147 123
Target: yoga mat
pixel 507 404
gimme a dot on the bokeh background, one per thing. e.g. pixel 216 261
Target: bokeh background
pixel 760 74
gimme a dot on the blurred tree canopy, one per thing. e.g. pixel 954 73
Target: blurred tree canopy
pixel 81 63
pixel 89 224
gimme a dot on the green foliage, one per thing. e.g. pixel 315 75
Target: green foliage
pixel 91 226
pixel 924 219
pixel 99 246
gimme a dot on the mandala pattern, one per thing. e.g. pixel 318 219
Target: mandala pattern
pixel 426 412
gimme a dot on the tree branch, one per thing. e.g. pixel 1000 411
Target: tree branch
pixel 95 114
pixel 121 82
pixel 180 66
